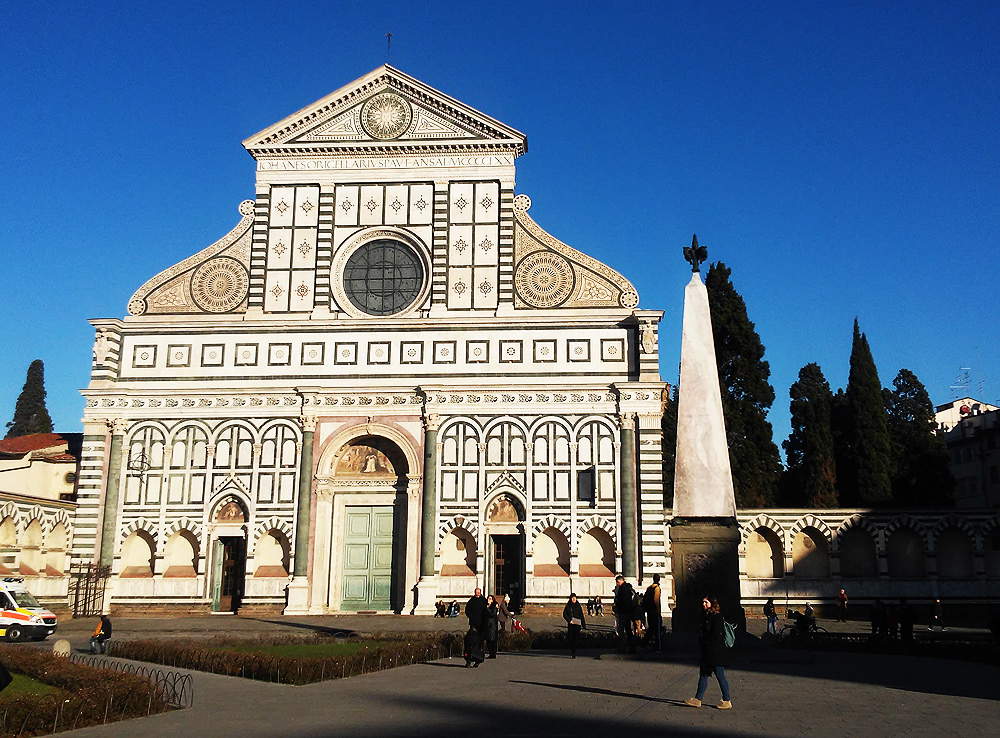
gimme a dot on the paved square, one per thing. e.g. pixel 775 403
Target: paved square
pixel 533 694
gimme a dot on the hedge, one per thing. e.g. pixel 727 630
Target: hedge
pixel 89 696
pixel 219 656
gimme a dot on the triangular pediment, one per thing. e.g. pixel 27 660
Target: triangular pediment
pixel 386 110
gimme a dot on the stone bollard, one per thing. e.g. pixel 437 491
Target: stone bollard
pixel 61 648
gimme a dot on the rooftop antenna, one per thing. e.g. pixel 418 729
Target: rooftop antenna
pixel 388 47
pixel 960 387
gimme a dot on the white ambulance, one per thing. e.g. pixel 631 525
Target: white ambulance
pixel 21 617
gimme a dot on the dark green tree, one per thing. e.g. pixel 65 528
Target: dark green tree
pixel 840 428
pixel 920 460
pixel 746 393
pixel 669 425
pixel 870 457
pixel 30 413
pixel 809 449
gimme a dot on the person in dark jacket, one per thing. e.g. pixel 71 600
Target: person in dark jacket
pixel 575 622
pixel 101 636
pixel 654 619
pixel 713 654
pixel 474 655
pixel 772 617
pixel 491 627
pixel 624 602
pixel 475 610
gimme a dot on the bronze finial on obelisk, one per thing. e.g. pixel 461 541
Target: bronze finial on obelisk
pixel 695 255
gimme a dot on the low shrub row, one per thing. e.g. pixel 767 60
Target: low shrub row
pixel 234 657
pixel 237 657
pixel 87 696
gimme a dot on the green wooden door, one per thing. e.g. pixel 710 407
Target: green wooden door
pixel 367 561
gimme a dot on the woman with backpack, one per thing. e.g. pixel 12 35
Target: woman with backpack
pixel 772 617
pixel 715 640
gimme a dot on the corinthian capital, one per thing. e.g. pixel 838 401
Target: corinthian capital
pixel 117 426
pixel 627 421
pixel 432 421
pixel 308 423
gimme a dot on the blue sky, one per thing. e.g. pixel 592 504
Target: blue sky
pixel 841 158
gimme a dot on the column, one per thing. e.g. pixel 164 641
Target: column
pixel 109 521
pixel 301 566
pixel 428 517
pixel 298 589
pixel 427 587
pixel 628 541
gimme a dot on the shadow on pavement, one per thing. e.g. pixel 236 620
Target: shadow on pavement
pixel 316 628
pixel 606 692
pixel 464 718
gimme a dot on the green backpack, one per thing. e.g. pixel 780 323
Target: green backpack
pixel 728 634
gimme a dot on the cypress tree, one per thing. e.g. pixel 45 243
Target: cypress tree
pixel 871 452
pixel 669 426
pixel 30 413
pixel 840 427
pixel 920 460
pixel 809 448
pixel 746 393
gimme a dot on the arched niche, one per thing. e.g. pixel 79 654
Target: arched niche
pixel 271 554
pixel 137 555
pixel 55 550
pixel 905 554
pixel 8 545
pixel 458 554
pixel 31 549
pixel 551 554
pixel 180 555
pixel 955 554
pixel 764 555
pixel 596 553
pixel 810 555
pixel 857 554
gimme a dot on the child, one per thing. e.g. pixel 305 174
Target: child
pixel 474 654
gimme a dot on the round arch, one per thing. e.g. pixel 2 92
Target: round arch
pixel 330 450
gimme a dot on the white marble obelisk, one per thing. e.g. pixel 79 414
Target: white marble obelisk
pixel 703 478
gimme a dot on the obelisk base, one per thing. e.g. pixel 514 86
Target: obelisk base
pixel 705 562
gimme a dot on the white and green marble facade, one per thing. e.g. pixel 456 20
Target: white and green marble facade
pixel 521 369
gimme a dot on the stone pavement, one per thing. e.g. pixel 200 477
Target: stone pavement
pixel 775 693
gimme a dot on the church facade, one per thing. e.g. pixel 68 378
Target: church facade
pixel 387 384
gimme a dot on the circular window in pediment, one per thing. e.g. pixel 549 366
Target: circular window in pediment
pixel 383 277
pixel 386 116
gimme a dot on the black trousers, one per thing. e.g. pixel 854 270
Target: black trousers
pixel 572 633
pixel 624 625
pixel 654 627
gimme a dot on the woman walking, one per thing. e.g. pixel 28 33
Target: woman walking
pixel 713 654
pixel 491 626
pixel 575 622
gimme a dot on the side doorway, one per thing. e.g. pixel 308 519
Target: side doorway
pixel 507 568
pixel 229 563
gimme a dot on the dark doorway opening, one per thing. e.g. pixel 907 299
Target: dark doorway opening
pixel 232 574
pixel 508 568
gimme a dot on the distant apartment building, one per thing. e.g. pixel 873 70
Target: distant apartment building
pixel 973 441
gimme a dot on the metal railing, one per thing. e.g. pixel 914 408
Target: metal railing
pixel 174 687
